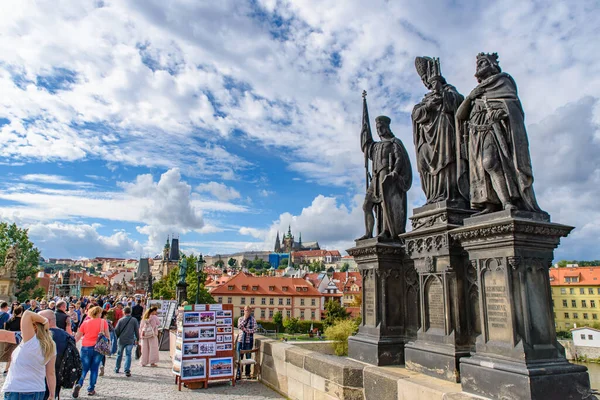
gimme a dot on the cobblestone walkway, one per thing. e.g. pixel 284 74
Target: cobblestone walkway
pixel 159 383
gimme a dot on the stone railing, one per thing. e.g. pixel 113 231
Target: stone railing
pixel 302 374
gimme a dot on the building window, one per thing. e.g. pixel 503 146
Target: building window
pixel 244 287
pixel 219 300
pixel 593 303
pixel 574 303
pixel 594 316
pixel 585 315
pixel 301 302
pixel 270 313
pixel 599 290
pixel 590 290
pixel 581 291
pixel 230 287
pixel 242 300
pixel 262 313
pixel 251 300
pixel 263 301
pixel 568 324
pixel 288 302
pixel 571 291
pixel 313 302
pixel 312 314
pixel 288 314
pixel 254 287
pixel 241 311
pixel 590 337
pixel 563 291
pixel 285 288
pixel 583 304
pixel 301 314
pixel 575 315
pixel 229 300
pixel 567 315
pixel 271 288
pixel 582 337
pixel 280 301
pixel 565 304
pixel 271 300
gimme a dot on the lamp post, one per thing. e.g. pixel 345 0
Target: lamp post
pixel 199 269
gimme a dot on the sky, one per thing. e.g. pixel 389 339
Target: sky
pixel 224 122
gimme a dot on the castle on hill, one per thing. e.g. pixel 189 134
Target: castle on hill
pixel 287 244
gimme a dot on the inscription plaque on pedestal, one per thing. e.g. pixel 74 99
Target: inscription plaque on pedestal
pixel 435 301
pixel 370 298
pixel 496 305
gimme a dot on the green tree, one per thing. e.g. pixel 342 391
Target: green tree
pixel 245 263
pixel 345 267
pixel 562 263
pixel 219 263
pixel 278 320
pixel 316 266
pixel 165 287
pixel 334 312
pixel 28 258
pixel 339 333
pixel 291 325
pixel 232 262
pixel 100 290
pixel 284 262
pixel 330 270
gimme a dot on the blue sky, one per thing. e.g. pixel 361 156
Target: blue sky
pixel 224 122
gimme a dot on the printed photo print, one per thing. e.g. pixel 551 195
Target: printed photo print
pixel 191 318
pixel 193 369
pixel 221 367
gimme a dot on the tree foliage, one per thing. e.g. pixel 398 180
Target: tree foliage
pixel 334 312
pixel 232 262
pixel 291 325
pixel 100 290
pixel 316 266
pixel 278 320
pixel 589 263
pixel 339 333
pixel 345 267
pixel 29 257
pixel 166 287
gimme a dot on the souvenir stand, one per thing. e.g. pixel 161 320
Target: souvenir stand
pixel 204 345
pixel 166 313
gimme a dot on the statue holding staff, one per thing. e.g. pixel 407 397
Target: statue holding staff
pixel 390 180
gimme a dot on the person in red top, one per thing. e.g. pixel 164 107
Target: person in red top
pixel 118 313
pixel 90 358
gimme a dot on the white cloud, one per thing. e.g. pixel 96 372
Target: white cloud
pixel 53 179
pixel 81 241
pixel 219 190
pixel 257 233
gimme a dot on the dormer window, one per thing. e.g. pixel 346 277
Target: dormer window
pixel 271 288
pixel 284 288
pixel 230 287
pixel 245 287
pixel 254 287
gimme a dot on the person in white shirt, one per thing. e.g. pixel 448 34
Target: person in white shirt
pixel 32 362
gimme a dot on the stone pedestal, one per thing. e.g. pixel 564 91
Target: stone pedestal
pixel 390 312
pixel 448 321
pixel 8 289
pixel 517 355
pixel 181 293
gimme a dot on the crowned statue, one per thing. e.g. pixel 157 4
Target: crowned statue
pixel 434 134
pixel 491 129
pixel 390 179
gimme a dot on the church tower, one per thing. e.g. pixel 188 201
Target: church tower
pixel 288 241
pixel 277 244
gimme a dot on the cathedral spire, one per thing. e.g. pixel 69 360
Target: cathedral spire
pixel 277 244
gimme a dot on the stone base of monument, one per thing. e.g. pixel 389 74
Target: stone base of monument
pixel 181 294
pixel 494 378
pixel 516 355
pixel 390 308
pixel 447 320
pixel 434 359
pixel 376 350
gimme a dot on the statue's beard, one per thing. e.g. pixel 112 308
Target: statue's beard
pixel 483 73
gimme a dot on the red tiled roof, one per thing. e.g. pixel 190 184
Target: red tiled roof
pixel 266 285
pixel 588 276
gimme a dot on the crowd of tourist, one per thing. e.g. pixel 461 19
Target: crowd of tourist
pixel 39 342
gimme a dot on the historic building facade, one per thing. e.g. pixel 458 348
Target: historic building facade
pixel 287 244
pixel 576 296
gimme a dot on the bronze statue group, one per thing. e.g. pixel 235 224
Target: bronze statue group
pixel 472 152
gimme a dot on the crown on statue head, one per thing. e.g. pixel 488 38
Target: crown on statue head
pixel 491 57
pixel 428 68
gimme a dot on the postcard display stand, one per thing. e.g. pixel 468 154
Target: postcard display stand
pixel 204 345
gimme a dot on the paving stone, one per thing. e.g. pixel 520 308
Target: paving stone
pixel 159 383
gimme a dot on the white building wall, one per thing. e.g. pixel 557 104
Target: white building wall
pixel 586 337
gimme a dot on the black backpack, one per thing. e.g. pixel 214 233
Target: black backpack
pixel 70 368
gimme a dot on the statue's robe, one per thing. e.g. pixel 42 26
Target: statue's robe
pixel 510 144
pixel 435 143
